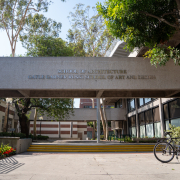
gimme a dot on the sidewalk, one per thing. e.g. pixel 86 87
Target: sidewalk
pixel 87 166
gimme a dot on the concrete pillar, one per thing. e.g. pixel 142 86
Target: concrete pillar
pixel 127 117
pixel 107 130
pixel 137 119
pixel 71 129
pixel 161 117
pixel 94 123
pixel 59 129
pixel 98 120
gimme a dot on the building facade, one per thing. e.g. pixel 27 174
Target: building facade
pixel 146 117
pixel 149 117
pixel 12 123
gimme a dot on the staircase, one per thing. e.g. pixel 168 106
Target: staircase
pixel 91 148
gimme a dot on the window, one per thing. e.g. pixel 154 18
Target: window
pixel 165 109
pixel 157 129
pixel 175 122
pixel 174 108
pixel 131 104
pixel 141 101
pixel 147 100
pixel 132 125
pixel 141 119
pixel 87 106
pixel 148 117
pixel 118 104
pixel 156 115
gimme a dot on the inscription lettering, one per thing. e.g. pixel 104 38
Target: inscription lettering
pixel 93 74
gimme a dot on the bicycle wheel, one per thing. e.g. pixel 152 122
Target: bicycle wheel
pixel 164 152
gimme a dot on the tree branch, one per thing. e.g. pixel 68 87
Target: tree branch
pixel 21 23
pixel 178 5
pixel 6 30
pixel 168 13
pixel 160 19
pixel 33 9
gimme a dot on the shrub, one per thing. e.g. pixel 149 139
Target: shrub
pixel 40 137
pixel 21 135
pixel 175 132
pixel 6 150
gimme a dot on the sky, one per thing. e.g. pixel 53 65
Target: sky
pixel 58 11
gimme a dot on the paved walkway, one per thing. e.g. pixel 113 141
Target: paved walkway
pixel 87 166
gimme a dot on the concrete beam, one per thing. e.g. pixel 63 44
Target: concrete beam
pixel 25 93
pixel 111 96
pixel 172 93
pixel 99 93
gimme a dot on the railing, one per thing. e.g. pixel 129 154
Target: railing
pixel 122 138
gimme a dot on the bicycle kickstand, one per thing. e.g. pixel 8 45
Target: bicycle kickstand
pixel 177 156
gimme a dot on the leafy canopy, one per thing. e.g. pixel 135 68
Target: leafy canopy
pixel 60 108
pixel 13 15
pixel 38 25
pixel 137 22
pixel 88 32
pixel 142 23
pixel 42 46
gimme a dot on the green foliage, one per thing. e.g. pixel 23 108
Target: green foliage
pixel 60 108
pixel 36 26
pixel 175 131
pixel 140 23
pixel 89 33
pixel 39 137
pixel 21 135
pixel 42 46
pixel 14 14
pixel 101 137
pixel 161 55
pixel 6 150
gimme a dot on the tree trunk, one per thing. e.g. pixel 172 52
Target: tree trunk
pixel 24 124
pixel 102 119
pixel 35 118
pixel 106 122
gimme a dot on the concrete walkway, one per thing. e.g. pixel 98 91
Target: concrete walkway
pixel 87 166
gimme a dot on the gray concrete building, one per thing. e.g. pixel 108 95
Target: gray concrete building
pixel 146 117
pixel 145 97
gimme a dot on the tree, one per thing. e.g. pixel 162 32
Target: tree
pixel 38 25
pixel 142 23
pixel 60 109
pixel 89 32
pixel 46 46
pixel 14 14
pixel 40 38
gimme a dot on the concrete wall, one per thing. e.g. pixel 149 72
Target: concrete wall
pixel 60 130
pixel 87 114
pixel 121 77
pixel 21 145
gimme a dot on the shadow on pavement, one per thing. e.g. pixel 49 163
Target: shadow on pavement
pixel 9 164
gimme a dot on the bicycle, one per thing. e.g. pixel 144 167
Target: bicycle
pixel 166 149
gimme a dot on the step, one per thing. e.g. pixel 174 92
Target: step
pixel 91 148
